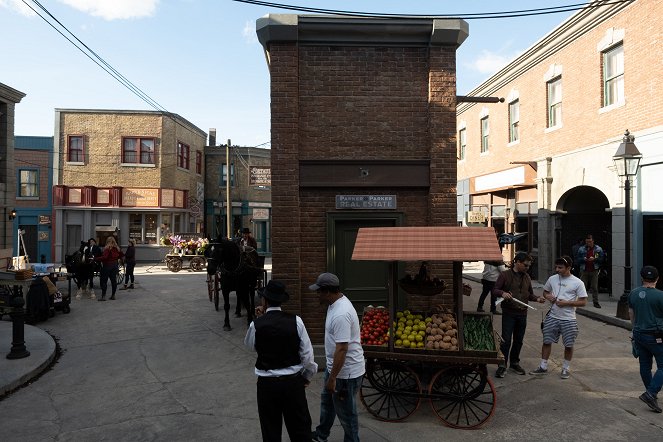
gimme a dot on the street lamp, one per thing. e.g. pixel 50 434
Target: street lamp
pixel 627 159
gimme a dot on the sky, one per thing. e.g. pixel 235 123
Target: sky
pixel 201 58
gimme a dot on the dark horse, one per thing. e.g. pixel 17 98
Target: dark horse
pixel 238 270
pixel 82 272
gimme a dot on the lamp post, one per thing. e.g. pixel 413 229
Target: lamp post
pixel 627 159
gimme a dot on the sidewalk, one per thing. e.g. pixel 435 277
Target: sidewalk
pixel 607 313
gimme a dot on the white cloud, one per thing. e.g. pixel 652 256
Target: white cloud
pixel 17 6
pixel 249 32
pixel 489 62
pixel 114 9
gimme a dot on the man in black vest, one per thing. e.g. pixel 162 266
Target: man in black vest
pixel 284 367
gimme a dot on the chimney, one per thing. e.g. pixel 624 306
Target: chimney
pixel 212 137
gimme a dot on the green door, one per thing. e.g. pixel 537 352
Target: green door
pixel 363 282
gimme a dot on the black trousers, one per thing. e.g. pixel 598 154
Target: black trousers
pixel 283 399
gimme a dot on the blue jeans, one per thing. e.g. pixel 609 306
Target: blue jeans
pixel 342 403
pixel 648 349
pixel 513 327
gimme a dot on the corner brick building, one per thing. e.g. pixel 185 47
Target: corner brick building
pixel 363 134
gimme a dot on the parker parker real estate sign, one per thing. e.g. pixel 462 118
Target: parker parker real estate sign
pixel 260 176
pixel 365 201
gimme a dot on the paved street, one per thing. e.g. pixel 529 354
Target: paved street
pixel 156 365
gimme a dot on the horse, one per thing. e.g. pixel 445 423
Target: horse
pixel 238 271
pixel 82 272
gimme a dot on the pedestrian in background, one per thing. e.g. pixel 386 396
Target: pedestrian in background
pixel 247 239
pixel 109 267
pixel 646 313
pixel 91 253
pixel 574 254
pixel 565 292
pixel 284 366
pixel 129 265
pixel 514 284
pixel 345 361
pixel 590 258
pixel 491 271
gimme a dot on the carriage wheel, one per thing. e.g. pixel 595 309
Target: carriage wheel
pixel 390 391
pixel 217 290
pixel 462 396
pixel 210 287
pixel 174 264
pixel 120 275
pixel 198 264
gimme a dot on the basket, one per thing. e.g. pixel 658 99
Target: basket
pixel 419 288
pixel 467 289
pixel 21 275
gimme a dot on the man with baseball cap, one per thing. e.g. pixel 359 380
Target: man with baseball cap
pixel 646 313
pixel 344 361
pixel 284 366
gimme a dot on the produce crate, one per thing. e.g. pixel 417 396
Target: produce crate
pixel 363 327
pixel 489 335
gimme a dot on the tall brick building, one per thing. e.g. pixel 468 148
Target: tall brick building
pixel 132 174
pixel 542 161
pixel 363 134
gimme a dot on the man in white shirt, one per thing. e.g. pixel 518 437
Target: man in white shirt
pixel 284 366
pixel 345 361
pixel 565 292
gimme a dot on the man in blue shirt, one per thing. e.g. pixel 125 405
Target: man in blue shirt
pixel 646 313
pixel 589 260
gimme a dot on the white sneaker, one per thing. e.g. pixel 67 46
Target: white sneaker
pixel 565 373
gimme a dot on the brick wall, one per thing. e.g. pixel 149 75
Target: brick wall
pixel 34 160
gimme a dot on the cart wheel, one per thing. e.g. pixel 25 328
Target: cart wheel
pixel 462 396
pixel 174 264
pixel 120 274
pixel 66 309
pixel 390 391
pixel 217 290
pixel 198 264
pixel 210 287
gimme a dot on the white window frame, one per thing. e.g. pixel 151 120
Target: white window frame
pixel 485 134
pixel 554 102
pixel 614 78
pixel 462 143
pixel 28 184
pixel 514 121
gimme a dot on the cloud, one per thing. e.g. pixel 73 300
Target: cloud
pixel 249 32
pixel 17 6
pixel 114 9
pixel 488 62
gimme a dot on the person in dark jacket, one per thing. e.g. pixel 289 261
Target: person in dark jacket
pixel 284 366
pixel 129 265
pixel 91 252
pixel 109 266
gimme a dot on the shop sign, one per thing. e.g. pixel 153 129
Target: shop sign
pixel 179 198
pixel 260 214
pixel 366 202
pixel 260 176
pixel 74 196
pixel 140 197
pixel 475 217
pixel 44 219
pixel 43 235
pixel 167 197
pixel 103 196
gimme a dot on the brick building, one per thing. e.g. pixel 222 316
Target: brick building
pixel 250 192
pixel 363 134
pixel 33 157
pixel 132 174
pixel 541 162
pixel 9 97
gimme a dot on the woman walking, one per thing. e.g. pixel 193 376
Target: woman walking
pixel 109 260
pixel 129 264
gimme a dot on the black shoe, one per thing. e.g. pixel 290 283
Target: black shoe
pixel 112 297
pixel 316 438
pixel 501 371
pixel 650 401
pixel 103 298
pixel 518 369
pixel 597 305
pixel 131 286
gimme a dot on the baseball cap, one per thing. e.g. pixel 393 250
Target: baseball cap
pixel 325 280
pixel 649 273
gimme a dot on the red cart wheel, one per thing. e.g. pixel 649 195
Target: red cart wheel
pixel 390 391
pixel 463 396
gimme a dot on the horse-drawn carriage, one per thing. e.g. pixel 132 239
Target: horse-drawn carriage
pixel 453 375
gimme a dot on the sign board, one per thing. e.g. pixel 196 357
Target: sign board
pixel 140 197
pixel 43 235
pixel 260 214
pixel 373 202
pixel 474 217
pixel 44 219
pixel 260 176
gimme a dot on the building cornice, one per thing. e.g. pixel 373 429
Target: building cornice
pixel 11 94
pixel 567 32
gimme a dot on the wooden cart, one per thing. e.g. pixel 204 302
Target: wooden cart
pixel 176 262
pixel 456 383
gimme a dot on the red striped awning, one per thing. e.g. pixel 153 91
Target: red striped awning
pixel 426 243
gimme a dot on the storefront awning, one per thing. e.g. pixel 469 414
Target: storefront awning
pixel 426 243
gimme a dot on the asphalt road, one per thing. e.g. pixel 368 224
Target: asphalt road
pixel 156 365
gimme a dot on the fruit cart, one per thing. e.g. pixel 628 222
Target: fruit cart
pixel 452 374
pixel 177 261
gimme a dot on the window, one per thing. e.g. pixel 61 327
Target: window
pixel 75 150
pixel 182 155
pixel 143 228
pixel 462 143
pixel 224 175
pixel 485 130
pixel 613 76
pixel 138 150
pixel 514 121
pixel 555 102
pixel 199 162
pixel 28 183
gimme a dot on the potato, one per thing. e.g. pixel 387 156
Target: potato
pixel 428 330
pixel 454 347
pixel 446 339
pixel 436 345
pixel 430 338
pixel 445 346
pixel 451 332
pixel 454 341
pixel 430 345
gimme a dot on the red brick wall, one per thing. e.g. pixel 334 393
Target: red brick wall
pixel 36 160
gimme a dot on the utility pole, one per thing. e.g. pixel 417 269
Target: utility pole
pixel 228 205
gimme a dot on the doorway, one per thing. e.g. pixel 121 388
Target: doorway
pixel 652 253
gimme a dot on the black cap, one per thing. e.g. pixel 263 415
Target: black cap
pixel 649 273
pixel 275 290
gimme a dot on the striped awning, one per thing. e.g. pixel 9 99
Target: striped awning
pixel 426 243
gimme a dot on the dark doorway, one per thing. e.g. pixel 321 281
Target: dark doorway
pixel 363 282
pixel 652 253
pixel 30 242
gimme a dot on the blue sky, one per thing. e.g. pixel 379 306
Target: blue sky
pixel 201 58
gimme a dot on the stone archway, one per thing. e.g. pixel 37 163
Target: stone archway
pixel 584 209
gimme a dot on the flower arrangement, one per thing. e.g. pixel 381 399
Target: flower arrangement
pixel 186 246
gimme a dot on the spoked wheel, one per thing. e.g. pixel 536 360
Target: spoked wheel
pixel 462 396
pixel 198 264
pixel 390 391
pixel 217 290
pixel 120 274
pixel 174 264
pixel 210 287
